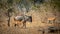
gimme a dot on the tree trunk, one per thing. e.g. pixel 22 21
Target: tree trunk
pixel 8 18
pixel 9 21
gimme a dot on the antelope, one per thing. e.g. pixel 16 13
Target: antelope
pixel 22 19
pixel 51 19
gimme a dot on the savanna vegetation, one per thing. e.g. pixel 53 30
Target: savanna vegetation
pixel 44 13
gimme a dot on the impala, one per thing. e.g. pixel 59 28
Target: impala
pixel 51 19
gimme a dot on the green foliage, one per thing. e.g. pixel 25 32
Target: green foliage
pixel 26 3
pixel 17 1
pixel 57 4
pixel 10 10
pixel 10 2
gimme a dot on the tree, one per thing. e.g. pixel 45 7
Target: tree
pixel 10 3
pixel 9 15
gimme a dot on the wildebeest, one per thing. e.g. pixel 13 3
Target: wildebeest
pixel 23 18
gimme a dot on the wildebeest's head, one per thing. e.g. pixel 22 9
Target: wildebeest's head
pixel 28 18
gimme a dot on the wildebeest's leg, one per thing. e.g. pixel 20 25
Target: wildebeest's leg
pixel 43 32
pixel 16 23
pixel 24 24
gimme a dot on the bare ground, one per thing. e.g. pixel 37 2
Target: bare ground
pixel 17 30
